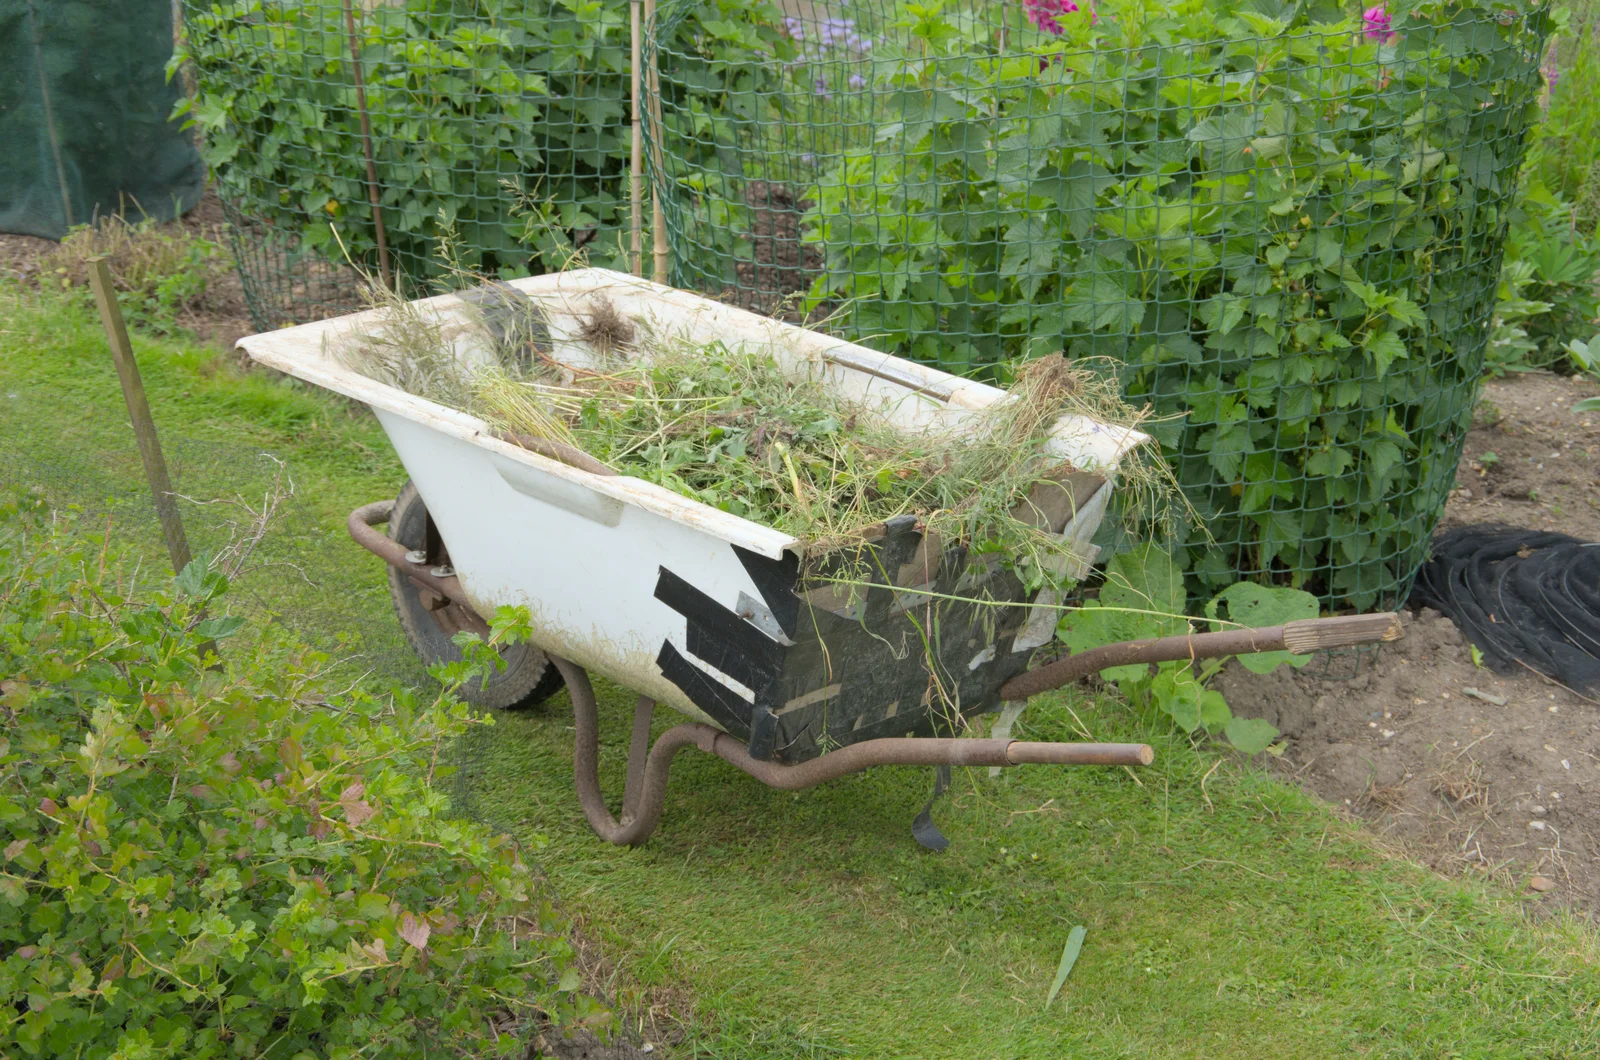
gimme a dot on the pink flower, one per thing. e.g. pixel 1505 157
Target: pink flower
pixel 1045 14
pixel 1378 24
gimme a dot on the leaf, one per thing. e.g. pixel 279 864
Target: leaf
pixel 1222 312
pixel 1420 166
pixel 1099 301
pixel 1226 449
pixel 1178 693
pixel 1069 957
pixel 415 932
pixel 1214 712
pixel 1250 735
pixel 219 628
pixel 1257 606
pixel 356 811
pixel 1143 596
pixel 1147 578
pixel 1332 461
pixel 1030 255
pixel 1381 455
pixel 191 580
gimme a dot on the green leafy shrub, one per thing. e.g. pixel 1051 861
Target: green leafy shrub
pixel 502 123
pixel 1511 348
pixel 1144 596
pixel 725 129
pixel 1287 226
pixel 1563 274
pixel 204 858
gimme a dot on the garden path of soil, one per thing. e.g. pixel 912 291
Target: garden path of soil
pixel 1463 784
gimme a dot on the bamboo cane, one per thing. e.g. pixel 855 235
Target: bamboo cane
pixel 366 142
pixel 658 224
pixel 636 167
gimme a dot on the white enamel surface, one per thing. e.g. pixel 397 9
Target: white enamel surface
pixel 583 552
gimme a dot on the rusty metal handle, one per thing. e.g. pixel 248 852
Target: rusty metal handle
pixel 360 525
pixel 646 791
pixel 927 751
pixel 1301 638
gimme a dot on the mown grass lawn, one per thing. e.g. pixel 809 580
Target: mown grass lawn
pixel 1228 914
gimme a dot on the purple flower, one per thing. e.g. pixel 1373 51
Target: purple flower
pixel 1552 69
pixel 808 159
pixel 857 81
pixel 1379 25
pixel 821 87
pixel 1046 14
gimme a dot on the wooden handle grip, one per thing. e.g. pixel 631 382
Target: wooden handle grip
pixel 1316 634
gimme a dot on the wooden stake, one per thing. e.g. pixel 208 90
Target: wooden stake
pixel 658 224
pixel 636 186
pixel 366 142
pixel 144 428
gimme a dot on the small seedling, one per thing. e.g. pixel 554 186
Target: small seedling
pixel 1489 459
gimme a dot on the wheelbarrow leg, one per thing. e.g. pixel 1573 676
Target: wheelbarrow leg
pixel 646 789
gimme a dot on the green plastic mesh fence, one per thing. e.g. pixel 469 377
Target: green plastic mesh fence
pixel 496 136
pixel 83 115
pixel 1282 224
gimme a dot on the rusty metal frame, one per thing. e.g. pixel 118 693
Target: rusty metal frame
pixel 644 792
pixel 645 789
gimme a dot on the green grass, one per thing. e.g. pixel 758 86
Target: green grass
pixel 1228 914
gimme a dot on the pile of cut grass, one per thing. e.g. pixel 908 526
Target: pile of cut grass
pixel 733 429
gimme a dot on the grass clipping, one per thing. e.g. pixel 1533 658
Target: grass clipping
pixel 732 429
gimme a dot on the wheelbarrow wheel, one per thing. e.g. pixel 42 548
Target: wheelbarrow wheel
pixel 529 678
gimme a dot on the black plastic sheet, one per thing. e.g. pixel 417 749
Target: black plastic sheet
pixel 1522 597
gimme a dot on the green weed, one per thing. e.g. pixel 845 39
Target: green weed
pixel 161 271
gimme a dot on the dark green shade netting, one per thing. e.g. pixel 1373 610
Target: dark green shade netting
pixel 84 101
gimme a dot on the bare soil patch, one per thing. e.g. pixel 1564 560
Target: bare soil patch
pixel 1529 461
pixel 1468 784
pixel 781 267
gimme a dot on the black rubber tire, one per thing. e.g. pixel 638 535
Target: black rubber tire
pixel 528 679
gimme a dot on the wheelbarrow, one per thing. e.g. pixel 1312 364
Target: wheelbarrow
pixel 794 680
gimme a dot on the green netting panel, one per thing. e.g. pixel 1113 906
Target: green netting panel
pixel 500 127
pixel 1281 224
pixel 83 115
